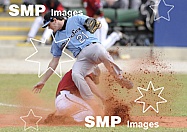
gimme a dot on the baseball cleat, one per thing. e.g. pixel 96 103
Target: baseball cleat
pixel 125 83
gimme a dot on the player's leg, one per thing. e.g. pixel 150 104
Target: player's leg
pixel 108 61
pixel 111 39
pixel 89 57
pixel 35 26
pixel 102 56
pixel 73 106
pixel 101 33
pixel 81 68
pixel 46 35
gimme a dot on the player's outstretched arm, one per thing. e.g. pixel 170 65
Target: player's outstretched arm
pixel 53 64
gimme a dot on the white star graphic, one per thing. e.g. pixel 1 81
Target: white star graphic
pixel 30 115
pixel 150 85
pixel 155 9
pixel 59 73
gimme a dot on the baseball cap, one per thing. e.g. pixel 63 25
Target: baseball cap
pixel 49 18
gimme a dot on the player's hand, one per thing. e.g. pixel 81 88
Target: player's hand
pixel 38 87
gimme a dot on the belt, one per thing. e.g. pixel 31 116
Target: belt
pixel 63 92
pixel 91 43
pixel 86 46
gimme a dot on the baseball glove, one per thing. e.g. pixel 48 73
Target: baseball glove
pixel 92 25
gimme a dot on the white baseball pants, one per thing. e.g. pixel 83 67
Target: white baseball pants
pixel 71 105
pixel 35 27
pixel 101 34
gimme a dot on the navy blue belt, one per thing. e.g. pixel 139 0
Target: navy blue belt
pixel 91 43
pixel 86 46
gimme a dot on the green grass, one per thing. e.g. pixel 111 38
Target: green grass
pixel 180 103
pixel 12 85
pixel 84 129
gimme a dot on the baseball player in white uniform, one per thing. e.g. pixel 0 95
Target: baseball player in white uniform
pixel 77 35
pixel 102 34
pixel 93 9
pixel 69 103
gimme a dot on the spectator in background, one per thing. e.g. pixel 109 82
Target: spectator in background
pixel 28 2
pixel 146 13
pixel 94 9
pixel 122 4
pixel 116 4
pixel 33 2
pixel 134 4
pixel 5 4
pixel 49 4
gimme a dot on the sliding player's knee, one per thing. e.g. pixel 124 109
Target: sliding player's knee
pixel 80 117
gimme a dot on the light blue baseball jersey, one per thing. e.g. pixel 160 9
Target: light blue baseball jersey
pixel 75 36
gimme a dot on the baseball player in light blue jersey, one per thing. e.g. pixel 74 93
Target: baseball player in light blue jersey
pixel 76 35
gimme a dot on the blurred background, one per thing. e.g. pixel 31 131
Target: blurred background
pixel 138 44
pixel 141 35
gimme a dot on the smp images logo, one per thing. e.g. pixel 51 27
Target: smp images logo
pixel 23 10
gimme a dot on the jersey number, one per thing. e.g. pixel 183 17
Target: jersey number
pixel 82 37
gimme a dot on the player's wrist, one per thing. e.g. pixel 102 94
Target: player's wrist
pixel 43 82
